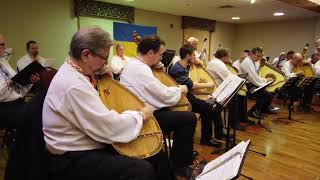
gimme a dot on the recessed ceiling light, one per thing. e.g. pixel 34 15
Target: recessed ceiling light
pixel 235 18
pixel 278 14
pixel 129 0
pixel 253 1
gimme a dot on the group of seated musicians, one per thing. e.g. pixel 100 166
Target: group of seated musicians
pixel 218 68
pixel 79 129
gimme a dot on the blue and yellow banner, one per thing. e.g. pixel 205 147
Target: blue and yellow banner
pixel 123 34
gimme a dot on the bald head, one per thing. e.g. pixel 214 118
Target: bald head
pixel 296 59
pixel 2 45
pixel 193 42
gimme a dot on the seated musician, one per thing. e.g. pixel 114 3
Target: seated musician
pixel 32 48
pixel 32 55
pixel 11 94
pixel 237 63
pixel 79 129
pixel 314 61
pixel 118 61
pixel 279 61
pixel 180 72
pixel 253 80
pixel 194 43
pixel 220 72
pixel 138 77
pixel 287 68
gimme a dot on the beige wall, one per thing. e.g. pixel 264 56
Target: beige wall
pixel 275 37
pixel 224 35
pixel 50 23
pixel 171 35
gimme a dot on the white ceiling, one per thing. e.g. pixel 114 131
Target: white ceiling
pixel 260 11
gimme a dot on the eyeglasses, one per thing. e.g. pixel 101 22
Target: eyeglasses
pixel 100 56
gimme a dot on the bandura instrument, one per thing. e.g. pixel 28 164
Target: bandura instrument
pixel 306 68
pixel 200 75
pixel 164 78
pixel 150 140
pixel 233 70
pixel 268 71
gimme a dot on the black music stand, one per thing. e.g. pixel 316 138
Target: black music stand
pixel 292 90
pixel 226 108
pixel 307 85
pixel 167 58
pixel 258 93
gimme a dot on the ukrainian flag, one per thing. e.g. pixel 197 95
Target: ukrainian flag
pixel 123 34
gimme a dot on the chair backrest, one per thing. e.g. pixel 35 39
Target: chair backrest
pixel 29 159
pixel 46 77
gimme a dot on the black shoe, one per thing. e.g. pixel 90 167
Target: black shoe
pixel 211 143
pixel 269 111
pixel 185 171
pixel 195 154
pixel 254 114
pixel 221 136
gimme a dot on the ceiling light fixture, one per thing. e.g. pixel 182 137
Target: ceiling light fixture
pixel 253 1
pixel 278 14
pixel 129 0
pixel 235 18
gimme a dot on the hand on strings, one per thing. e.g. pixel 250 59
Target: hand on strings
pixel 198 63
pixel 160 66
pixel 183 89
pixel 211 100
pixel 34 77
pixel 106 70
pixel 146 112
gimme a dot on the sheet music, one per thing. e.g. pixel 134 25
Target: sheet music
pixel 227 165
pixel 227 87
pixel 257 89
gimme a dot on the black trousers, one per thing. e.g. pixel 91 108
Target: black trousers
pixel 183 126
pixel 307 97
pixel 263 98
pixel 242 108
pixel 234 110
pixel 12 113
pixel 207 115
pixel 103 164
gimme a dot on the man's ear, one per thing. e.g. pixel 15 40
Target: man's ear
pixel 151 52
pixel 84 55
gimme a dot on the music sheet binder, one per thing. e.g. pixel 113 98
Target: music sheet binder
pixel 227 166
pixel 23 77
pixel 254 90
pixel 227 89
pixel 290 83
pixel 307 81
